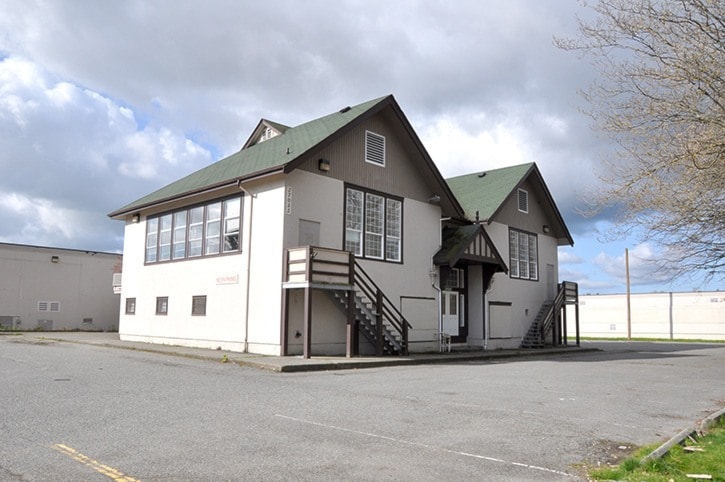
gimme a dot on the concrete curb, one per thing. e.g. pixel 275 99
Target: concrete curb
pixel 678 439
pixel 407 361
pixel 297 364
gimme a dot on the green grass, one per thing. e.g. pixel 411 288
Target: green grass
pixel 678 340
pixel 676 464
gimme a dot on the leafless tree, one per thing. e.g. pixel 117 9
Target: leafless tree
pixel 660 97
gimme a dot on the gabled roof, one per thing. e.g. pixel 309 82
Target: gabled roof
pixel 266 157
pixel 282 154
pixel 484 194
pixel 469 243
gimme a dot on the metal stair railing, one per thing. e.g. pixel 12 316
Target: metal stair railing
pixel 385 312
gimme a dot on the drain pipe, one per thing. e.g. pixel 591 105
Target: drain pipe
pixel 437 288
pixel 249 260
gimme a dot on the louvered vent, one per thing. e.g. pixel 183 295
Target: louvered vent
pixel 374 148
pixel 523 201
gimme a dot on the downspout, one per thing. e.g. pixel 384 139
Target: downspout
pixel 437 288
pixel 249 260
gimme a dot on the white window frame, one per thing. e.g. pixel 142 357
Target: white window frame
pixel 523 255
pixel 214 235
pixel 385 229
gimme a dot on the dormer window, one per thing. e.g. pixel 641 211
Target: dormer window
pixel 523 201
pixel 374 148
pixel 267 134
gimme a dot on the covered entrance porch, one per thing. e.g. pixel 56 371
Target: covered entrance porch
pixel 466 261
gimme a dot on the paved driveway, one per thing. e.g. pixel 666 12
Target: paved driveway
pixel 77 412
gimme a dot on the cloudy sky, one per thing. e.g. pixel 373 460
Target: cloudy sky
pixel 103 102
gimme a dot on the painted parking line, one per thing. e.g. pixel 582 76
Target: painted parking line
pixel 429 447
pixel 110 472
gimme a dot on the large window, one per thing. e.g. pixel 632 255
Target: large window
pixel 199 231
pixel 373 225
pixel 523 255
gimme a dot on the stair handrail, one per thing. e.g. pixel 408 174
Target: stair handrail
pixel 388 310
pixel 555 307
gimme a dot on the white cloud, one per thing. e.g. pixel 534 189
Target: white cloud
pixel 643 266
pixel 61 153
pixel 567 257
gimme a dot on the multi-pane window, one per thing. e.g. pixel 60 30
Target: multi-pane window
pixel 152 239
pixel 162 305
pixel 198 305
pixel 523 255
pixel 394 225
pixel 165 237
pixel 373 225
pixel 180 235
pixel 199 231
pixel 353 221
pixel 231 225
pixel 196 231
pixel 130 306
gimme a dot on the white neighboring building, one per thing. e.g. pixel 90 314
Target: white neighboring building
pixel 43 288
pixel 680 315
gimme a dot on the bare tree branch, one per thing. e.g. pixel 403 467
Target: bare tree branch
pixel 660 98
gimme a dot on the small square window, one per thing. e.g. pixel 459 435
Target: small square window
pixel 130 306
pixel 162 305
pixel 198 305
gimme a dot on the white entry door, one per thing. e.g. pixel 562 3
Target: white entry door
pixel 450 310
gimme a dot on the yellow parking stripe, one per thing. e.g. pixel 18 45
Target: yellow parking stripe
pixel 110 472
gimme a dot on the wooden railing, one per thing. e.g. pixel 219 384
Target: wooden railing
pixel 320 267
pixel 312 267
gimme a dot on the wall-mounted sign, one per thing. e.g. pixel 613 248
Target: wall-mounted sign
pixel 228 279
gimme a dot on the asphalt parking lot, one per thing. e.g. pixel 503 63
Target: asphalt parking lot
pixel 83 412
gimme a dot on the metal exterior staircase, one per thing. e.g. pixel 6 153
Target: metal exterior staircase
pixel 340 275
pixel 549 326
pixel 365 315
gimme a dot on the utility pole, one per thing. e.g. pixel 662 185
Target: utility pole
pixel 629 307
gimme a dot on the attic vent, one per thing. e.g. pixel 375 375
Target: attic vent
pixel 374 148
pixel 523 201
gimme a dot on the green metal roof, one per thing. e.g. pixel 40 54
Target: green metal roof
pixel 485 192
pixel 268 156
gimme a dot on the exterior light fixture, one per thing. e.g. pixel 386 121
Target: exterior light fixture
pixel 546 228
pixel 54 259
pixel 136 218
pixel 324 165
pixel 434 199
